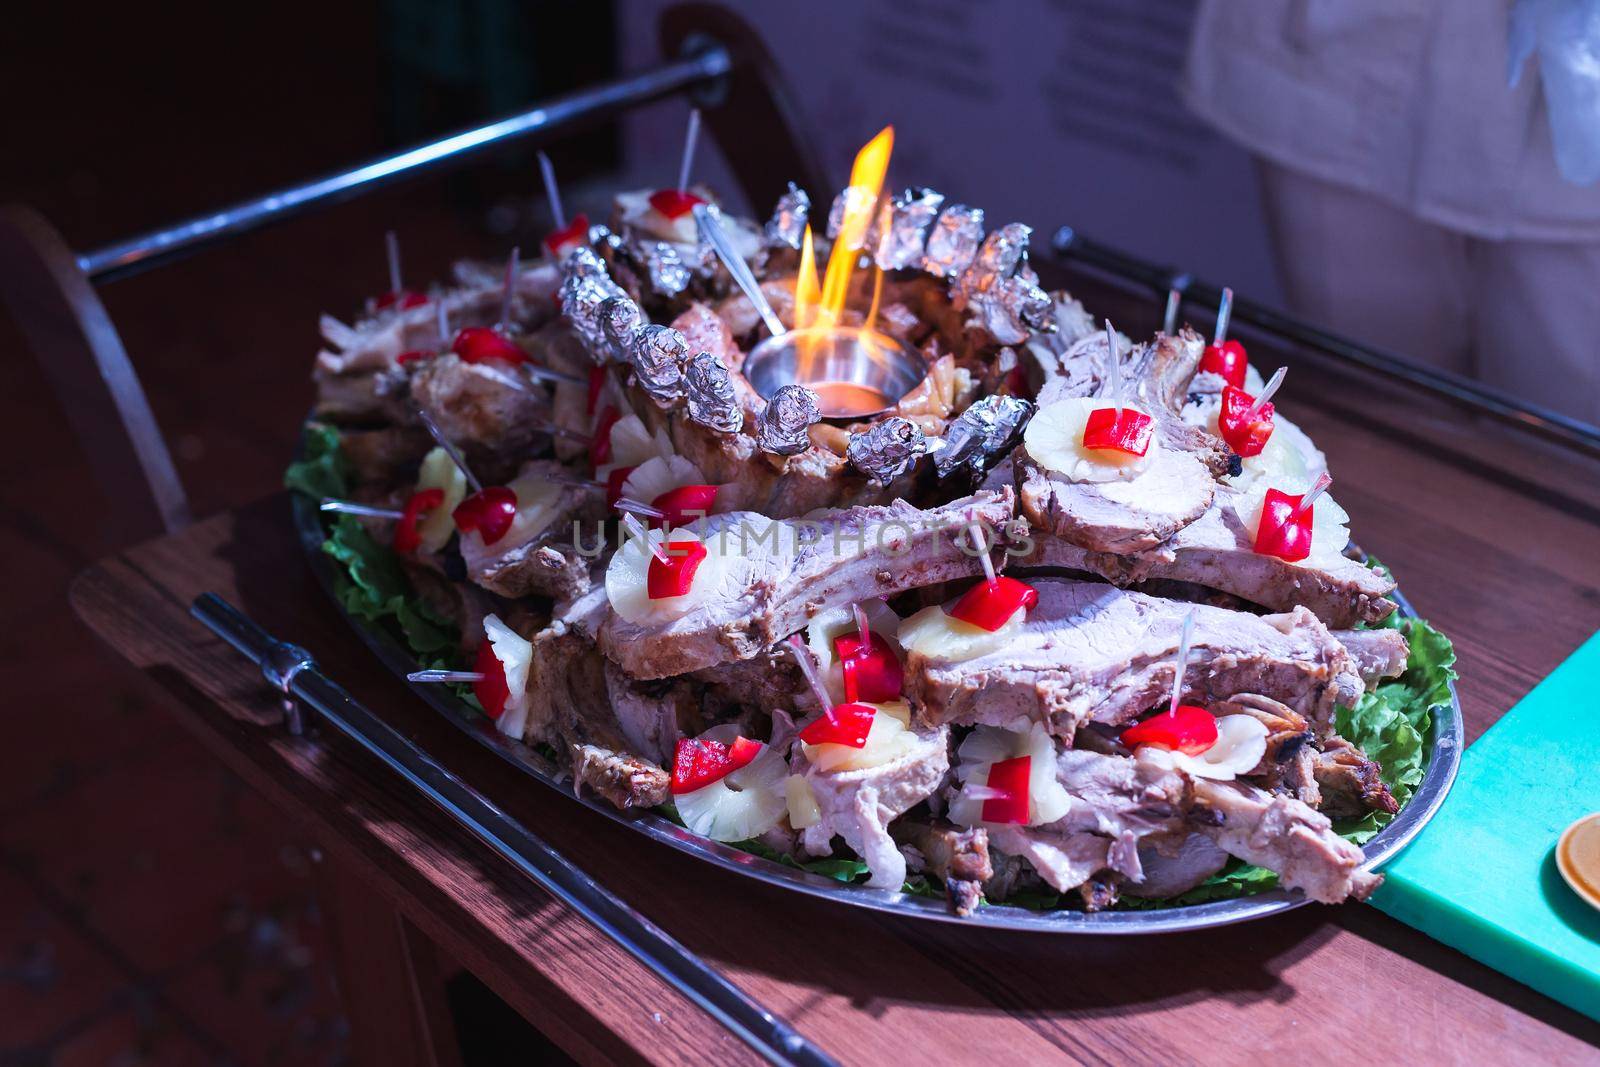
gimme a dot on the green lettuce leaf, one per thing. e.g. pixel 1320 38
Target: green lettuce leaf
pixel 321 471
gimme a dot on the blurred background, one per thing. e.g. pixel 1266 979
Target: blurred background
pixel 1376 174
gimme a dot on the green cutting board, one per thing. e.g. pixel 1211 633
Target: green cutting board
pixel 1482 876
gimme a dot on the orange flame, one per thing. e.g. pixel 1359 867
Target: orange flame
pixel 861 202
pixel 807 293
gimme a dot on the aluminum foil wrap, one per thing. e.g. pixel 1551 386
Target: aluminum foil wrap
pixel 953 241
pixel 713 403
pixel 852 197
pixel 1013 310
pixel 903 228
pixel 784 428
pixel 664 264
pixel 787 226
pixel 886 449
pixel 620 319
pixel 600 236
pixel 997 259
pixel 982 435
pixel 656 355
pixel 585 286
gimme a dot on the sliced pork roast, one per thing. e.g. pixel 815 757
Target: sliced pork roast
pixel 1090 652
pixel 781 573
pixel 859 805
pixel 1215 551
pixel 537 555
pixel 957 856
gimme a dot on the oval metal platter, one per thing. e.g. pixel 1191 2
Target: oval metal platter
pixel 1443 759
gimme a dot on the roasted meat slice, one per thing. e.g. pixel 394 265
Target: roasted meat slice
pixel 779 574
pixel 1216 551
pixel 1174 864
pixel 537 556
pixel 859 805
pixel 1091 652
pixel 1350 783
pixel 1283 835
pixel 1117 516
pixel 956 855
pixel 486 409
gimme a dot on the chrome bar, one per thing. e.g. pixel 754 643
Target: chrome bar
pixel 291 669
pixel 1536 419
pixel 124 257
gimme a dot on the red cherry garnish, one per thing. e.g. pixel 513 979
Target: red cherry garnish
pixel 1010 777
pixel 492 690
pixel 700 761
pixel 872 674
pixel 600 443
pixel 478 344
pixel 842 724
pixel 614 482
pixel 1281 533
pixel 490 511
pixel 573 234
pixel 684 505
pixel 407 539
pixel 415 355
pixel 673 203
pixel 1186 729
pixel 405 298
pixel 1244 435
pixel 675 576
pixel 990 605
pixel 1126 430
pixel 1228 360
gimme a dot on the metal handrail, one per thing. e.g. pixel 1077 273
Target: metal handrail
pixel 1069 244
pixel 292 671
pixel 126 257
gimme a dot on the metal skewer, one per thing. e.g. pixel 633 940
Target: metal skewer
pixel 1224 313
pixel 708 218
pixel 551 192
pixel 636 528
pixel 1182 663
pixel 391 243
pixel 1169 318
pixel 445 676
pixel 444 326
pixel 802 657
pixel 449 449
pixel 981 543
pixel 863 631
pixel 690 138
pixel 350 507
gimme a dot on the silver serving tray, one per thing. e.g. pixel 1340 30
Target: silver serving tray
pixel 1444 757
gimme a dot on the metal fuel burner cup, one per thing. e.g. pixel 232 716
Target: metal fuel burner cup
pixel 855 373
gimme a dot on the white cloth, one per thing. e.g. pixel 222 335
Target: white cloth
pixel 1523 316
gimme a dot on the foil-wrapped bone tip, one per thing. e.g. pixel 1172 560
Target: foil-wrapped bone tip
pixel 903 227
pixel 981 435
pixel 657 354
pixel 787 226
pixel 713 401
pixel 953 241
pixel 886 449
pixel 784 426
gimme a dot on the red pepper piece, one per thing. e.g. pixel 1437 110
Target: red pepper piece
pixel 1188 729
pixel 990 605
pixel 490 511
pixel 675 577
pixel 614 482
pixel 492 690
pixel 405 298
pixel 700 761
pixel 674 204
pixel 573 234
pixel 1009 776
pixel 597 382
pixel 415 355
pixel 479 344
pixel 684 505
pixel 1282 533
pixel 1125 431
pixel 600 443
pixel 406 537
pixel 1244 435
pixel 873 673
pixel 1228 360
pixel 843 724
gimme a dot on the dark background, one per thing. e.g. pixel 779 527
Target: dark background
pixel 151 909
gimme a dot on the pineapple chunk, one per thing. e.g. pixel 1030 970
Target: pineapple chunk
pixel 1054 439
pixel 1330 524
pixel 988 745
pixel 835 622
pixel 628 571
pixel 660 474
pixel 515 655
pixel 1241 742
pixel 439 471
pixel 742 805
pixel 887 740
pixel 936 635
pixel 802 802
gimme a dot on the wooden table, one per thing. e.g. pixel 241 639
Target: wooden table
pixel 1496 540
